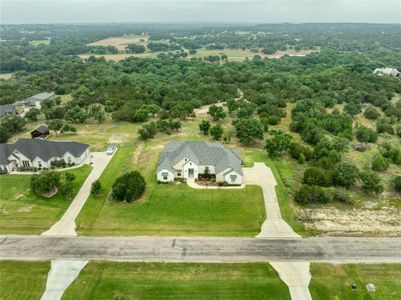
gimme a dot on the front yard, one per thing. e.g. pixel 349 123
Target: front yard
pixel 167 209
pixel 23 212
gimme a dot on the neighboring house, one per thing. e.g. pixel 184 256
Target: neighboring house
pixel 387 71
pixel 40 153
pixel 41 132
pixel 36 100
pixel 6 110
pixel 190 159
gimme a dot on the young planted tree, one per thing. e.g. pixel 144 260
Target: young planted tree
pixel 204 127
pixel 96 187
pixel 216 131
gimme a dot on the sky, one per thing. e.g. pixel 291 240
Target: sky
pixel 195 11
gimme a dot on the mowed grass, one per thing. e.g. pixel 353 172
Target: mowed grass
pixel 333 282
pixel 106 280
pixel 23 280
pixel 167 209
pixel 23 212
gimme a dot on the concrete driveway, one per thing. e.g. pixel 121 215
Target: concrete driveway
pixel 66 226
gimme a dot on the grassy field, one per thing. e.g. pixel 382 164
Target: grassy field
pixel 120 42
pixel 333 282
pixel 22 212
pixel 6 76
pixel 22 280
pixel 170 209
pixel 101 280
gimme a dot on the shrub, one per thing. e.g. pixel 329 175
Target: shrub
pixel 383 124
pixel 317 176
pixel 69 176
pixel 391 152
pixel 45 182
pixel 128 187
pixel 371 182
pixel 341 196
pixel 371 113
pixel 311 194
pixel 344 174
pixel 397 183
pixel 379 163
pixel 96 187
pixel 365 134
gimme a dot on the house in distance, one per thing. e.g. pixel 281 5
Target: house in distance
pixel 41 132
pixel 36 100
pixel 191 159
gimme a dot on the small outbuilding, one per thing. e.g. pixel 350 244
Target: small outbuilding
pixel 41 132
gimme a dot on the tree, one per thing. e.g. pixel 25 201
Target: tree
pixel 134 48
pixel 147 131
pixel 371 182
pixel 96 187
pixel 45 182
pixel 317 176
pixel 379 163
pixel 383 124
pixel 371 113
pixel 128 187
pixel 216 131
pixel 217 112
pixel 365 134
pixel 248 130
pixel 68 128
pixel 76 115
pixel 97 112
pixel 69 176
pixel 33 114
pixel 344 174
pixel 279 143
pixel 204 127
pixel 55 125
pixel 397 183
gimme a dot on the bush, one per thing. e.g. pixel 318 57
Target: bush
pixel 96 187
pixel 397 183
pixel 371 113
pixel 383 125
pixel 128 187
pixel 309 194
pixel 371 182
pixel 340 196
pixel 45 182
pixel 317 176
pixel 379 163
pixel 391 152
pixel 344 174
pixel 365 134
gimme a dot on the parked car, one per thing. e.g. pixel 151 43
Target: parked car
pixel 110 149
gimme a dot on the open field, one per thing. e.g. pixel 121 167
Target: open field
pixel 170 209
pixel 121 42
pixel 6 76
pixel 39 42
pixel 22 212
pixel 23 280
pixel 333 282
pixel 100 280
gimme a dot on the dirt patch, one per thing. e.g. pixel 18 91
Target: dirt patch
pixel 368 220
pixel 6 76
pixel 280 54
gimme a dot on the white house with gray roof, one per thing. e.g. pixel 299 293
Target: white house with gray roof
pixel 40 153
pixel 191 159
pixel 36 100
pixel 387 71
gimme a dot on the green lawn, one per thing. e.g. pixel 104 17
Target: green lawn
pixel 22 280
pixel 22 212
pixel 106 280
pixel 170 209
pixel 333 282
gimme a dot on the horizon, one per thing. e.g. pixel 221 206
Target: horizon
pixel 201 11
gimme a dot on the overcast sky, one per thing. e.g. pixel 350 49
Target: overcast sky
pixel 222 11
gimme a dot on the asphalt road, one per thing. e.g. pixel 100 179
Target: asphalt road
pixel 327 249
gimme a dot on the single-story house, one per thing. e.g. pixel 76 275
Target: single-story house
pixel 387 71
pixel 41 132
pixel 36 100
pixel 191 159
pixel 7 109
pixel 40 153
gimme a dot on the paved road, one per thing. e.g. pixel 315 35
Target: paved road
pixel 201 249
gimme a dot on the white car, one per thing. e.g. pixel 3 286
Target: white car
pixel 110 149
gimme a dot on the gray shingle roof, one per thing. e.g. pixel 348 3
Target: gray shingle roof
pixel 44 149
pixel 42 129
pixel 6 109
pixel 201 153
pixel 38 98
